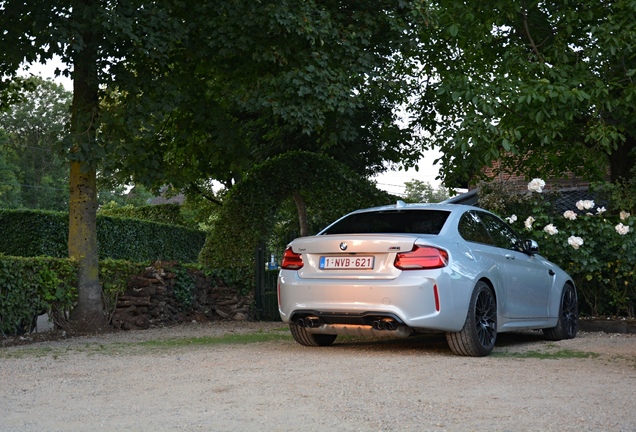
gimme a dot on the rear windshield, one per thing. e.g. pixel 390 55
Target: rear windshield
pixel 391 221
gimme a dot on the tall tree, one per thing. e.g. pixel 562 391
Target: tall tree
pixel 91 37
pixel 545 87
pixel 177 91
pixel 35 127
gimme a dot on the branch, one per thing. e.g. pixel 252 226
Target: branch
pixel 205 195
pixel 526 27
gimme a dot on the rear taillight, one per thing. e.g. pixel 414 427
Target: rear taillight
pixel 421 257
pixel 292 260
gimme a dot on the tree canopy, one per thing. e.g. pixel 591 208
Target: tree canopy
pixel 417 191
pixel 546 87
pixel 174 92
pixel 255 79
pixel 34 128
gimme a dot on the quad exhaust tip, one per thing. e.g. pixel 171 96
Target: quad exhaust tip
pixel 385 324
pixel 308 322
pixel 381 324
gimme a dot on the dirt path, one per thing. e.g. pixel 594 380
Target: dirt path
pixel 117 382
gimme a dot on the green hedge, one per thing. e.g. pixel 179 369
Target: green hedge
pixel 33 233
pixel 43 233
pixel 32 286
pixel 165 213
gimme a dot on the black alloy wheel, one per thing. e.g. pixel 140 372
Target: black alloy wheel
pixel 568 322
pixel 303 337
pixel 478 336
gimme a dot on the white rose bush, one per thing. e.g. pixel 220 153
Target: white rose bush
pixel 594 244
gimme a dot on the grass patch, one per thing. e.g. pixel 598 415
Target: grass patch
pixel 545 355
pixel 245 338
pixel 117 348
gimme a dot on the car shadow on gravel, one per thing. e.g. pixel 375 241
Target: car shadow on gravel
pixel 434 343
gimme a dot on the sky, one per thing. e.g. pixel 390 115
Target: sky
pixel 393 181
pixel 390 181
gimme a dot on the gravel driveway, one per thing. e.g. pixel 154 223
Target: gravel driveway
pixel 163 379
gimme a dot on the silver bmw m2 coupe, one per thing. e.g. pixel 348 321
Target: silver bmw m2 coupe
pixel 410 268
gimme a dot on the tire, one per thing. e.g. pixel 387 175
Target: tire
pixel 477 337
pixel 303 337
pixel 568 322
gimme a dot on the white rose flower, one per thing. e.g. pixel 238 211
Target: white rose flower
pixel 622 229
pixel 536 185
pixel 512 219
pixel 600 210
pixel 624 215
pixel 575 242
pixel 584 204
pixel 528 222
pixel 551 229
pixel 569 214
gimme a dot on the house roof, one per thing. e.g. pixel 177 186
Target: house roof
pixel 564 199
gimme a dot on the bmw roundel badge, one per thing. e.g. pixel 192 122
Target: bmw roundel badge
pixel 343 246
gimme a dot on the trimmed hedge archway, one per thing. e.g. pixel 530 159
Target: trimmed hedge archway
pixel 250 208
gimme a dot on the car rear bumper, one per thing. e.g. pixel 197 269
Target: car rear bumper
pixel 409 301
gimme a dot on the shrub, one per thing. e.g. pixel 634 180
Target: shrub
pixel 32 286
pixel 596 247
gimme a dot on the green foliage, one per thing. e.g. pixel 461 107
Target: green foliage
pixel 169 214
pixel 544 88
pixel 112 195
pixel 621 194
pixel 9 184
pixel 34 233
pixel 418 191
pixel 231 276
pixel 32 286
pixel 136 240
pixel 114 276
pixel 184 286
pixel 251 209
pixel 597 248
pixel 159 98
pixel 34 128
pixel 321 77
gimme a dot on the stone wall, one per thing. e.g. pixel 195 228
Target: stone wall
pixel 155 298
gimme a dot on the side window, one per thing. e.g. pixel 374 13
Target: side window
pixel 502 234
pixel 471 229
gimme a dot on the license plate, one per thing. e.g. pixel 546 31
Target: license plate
pixel 346 263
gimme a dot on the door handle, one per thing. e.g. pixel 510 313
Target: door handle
pixel 509 257
pixel 551 272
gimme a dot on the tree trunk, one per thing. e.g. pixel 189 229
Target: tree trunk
pixel 82 246
pixel 302 213
pixel 89 313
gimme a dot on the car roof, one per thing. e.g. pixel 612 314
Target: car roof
pixel 401 205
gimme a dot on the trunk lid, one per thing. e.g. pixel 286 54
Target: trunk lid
pixel 351 256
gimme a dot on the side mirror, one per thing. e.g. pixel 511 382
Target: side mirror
pixel 532 247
